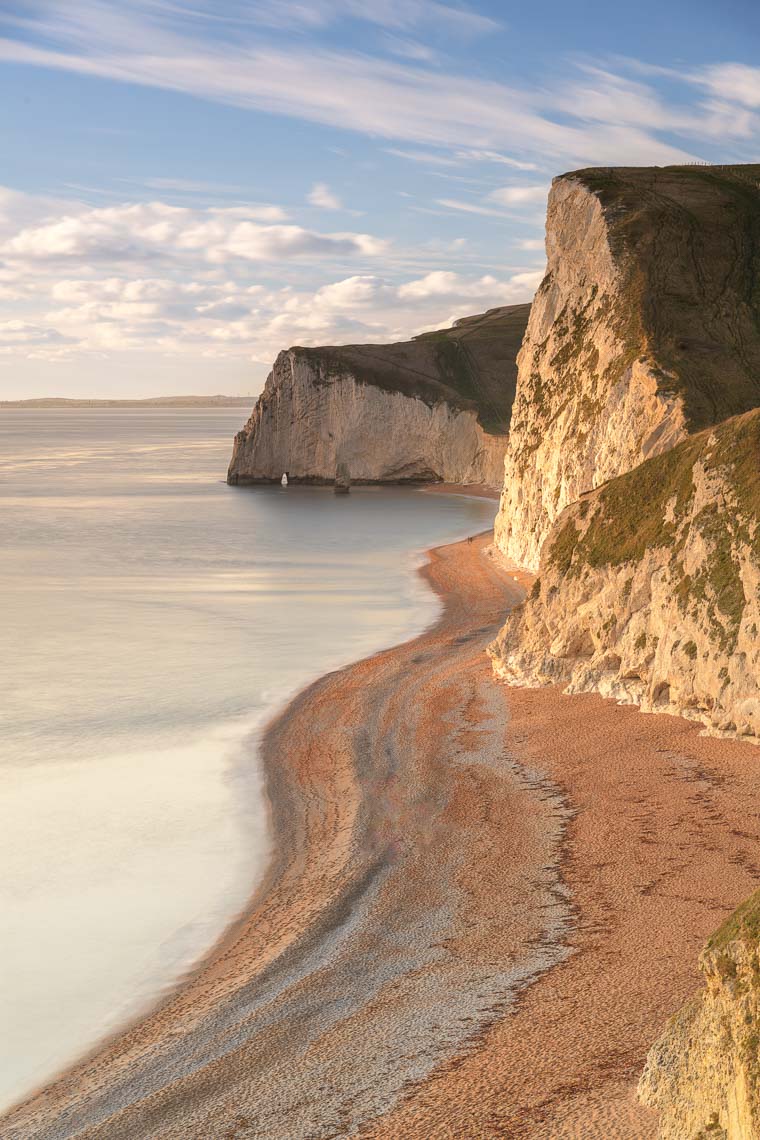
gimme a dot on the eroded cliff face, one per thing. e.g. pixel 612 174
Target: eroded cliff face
pixel 309 421
pixel 649 587
pixel 428 410
pixel 645 328
pixel 703 1075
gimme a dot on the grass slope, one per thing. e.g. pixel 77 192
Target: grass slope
pixel 652 506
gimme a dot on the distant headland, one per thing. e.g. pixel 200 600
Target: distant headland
pixel 151 402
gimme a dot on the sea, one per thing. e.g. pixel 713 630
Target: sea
pixel 154 619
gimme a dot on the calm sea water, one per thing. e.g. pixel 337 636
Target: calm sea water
pixel 153 618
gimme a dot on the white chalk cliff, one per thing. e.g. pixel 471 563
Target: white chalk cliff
pixel 644 328
pixel 644 530
pixel 632 484
pixel 649 588
pixel 429 410
pixel 308 421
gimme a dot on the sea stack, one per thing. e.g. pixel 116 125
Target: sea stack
pixel 342 479
pixel 432 409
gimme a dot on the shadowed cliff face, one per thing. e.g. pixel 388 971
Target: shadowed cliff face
pixel 649 587
pixel 430 409
pixel 645 328
pixel 704 1072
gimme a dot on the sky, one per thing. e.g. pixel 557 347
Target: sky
pixel 189 186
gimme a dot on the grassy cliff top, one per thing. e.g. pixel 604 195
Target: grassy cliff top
pixel 688 242
pixel 471 365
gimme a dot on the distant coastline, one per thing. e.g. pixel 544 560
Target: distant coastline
pixel 151 402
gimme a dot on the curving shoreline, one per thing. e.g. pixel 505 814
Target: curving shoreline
pixel 373 902
pixel 443 842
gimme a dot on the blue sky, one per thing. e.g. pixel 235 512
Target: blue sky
pixel 190 185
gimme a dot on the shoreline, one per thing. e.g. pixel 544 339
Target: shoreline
pixel 215 979
pixel 468 490
pixel 413 607
pixel 483 906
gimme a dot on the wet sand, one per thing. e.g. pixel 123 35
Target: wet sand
pixel 484 906
pixel 475 490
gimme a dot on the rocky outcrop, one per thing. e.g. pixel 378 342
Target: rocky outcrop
pixel 703 1075
pixel 432 409
pixel 644 329
pixel 649 587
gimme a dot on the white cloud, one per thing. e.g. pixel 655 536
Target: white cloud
pixel 84 282
pixel 154 230
pixel 442 283
pixel 348 294
pixel 321 195
pixel 519 195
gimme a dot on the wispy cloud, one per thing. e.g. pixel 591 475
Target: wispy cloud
pixel 426 157
pixel 494 156
pixel 183 267
pixel 395 15
pixel 471 208
pixel 503 202
pixel 734 82
pixel 169 45
pixel 192 186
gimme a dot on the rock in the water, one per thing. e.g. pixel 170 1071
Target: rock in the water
pixel 342 479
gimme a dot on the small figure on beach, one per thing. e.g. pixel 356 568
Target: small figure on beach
pixel 284 480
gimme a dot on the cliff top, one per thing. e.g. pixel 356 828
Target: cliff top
pixel 687 240
pixel 470 365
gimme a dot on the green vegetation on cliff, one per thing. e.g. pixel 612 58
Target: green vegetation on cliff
pixel 741 926
pixel 655 505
